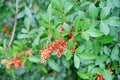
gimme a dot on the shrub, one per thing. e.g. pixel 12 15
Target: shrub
pixel 84 34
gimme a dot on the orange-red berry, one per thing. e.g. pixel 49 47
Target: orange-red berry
pixel 58 45
pixel 100 77
pixel 16 62
pixel 61 29
pixel 30 53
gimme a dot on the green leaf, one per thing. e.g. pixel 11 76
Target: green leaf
pixel 20 15
pixel 24 30
pixel 68 56
pixel 66 63
pixel 22 36
pixel 43 68
pixel 105 39
pixel 94 33
pixel 80 49
pixel 28 12
pixel 84 3
pixel 116 3
pixel 107 75
pixel 97 70
pixel 34 59
pixel 1 50
pixel 100 59
pixel 53 65
pixel 104 28
pixel 56 4
pixel 83 75
pixel 68 8
pixel 113 21
pixel 115 53
pixel 93 11
pixel 36 41
pixel 44 17
pixel 88 56
pixel 85 24
pixel 77 24
pixel 49 12
pixel 70 44
pixel 107 50
pixel 76 61
pixel 66 27
pixel 81 14
pixel 110 4
pixel 20 71
pixel 44 24
pixel 104 13
pixel 27 22
pixel 85 36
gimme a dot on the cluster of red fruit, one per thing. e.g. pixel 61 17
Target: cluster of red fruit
pixel 58 45
pixel 30 53
pixel 16 62
pixel 100 77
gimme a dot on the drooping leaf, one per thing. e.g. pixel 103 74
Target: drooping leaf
pixel 27 22
pixel 76 61
pixel 70 44
pixel 53 65
pixel 28 12
pixel 115 53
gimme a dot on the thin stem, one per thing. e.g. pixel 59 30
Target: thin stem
pixel 14 28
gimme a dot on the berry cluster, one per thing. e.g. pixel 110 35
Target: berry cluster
pixel 61 29
pixel 30 53
pixel 16 62
pixel 16 59
pixel 74 47
pixel 100 77
pixel 58 45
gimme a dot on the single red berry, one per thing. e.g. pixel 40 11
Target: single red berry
pixel 61 29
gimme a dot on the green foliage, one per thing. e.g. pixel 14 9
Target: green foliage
pixel 95 24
